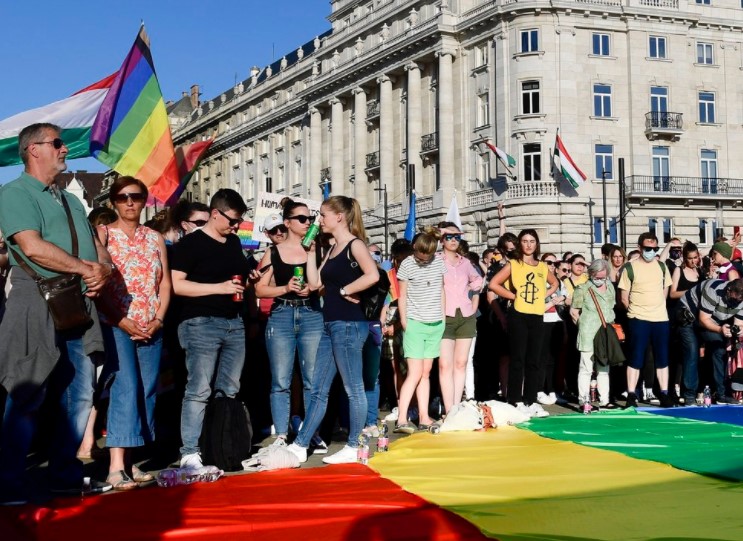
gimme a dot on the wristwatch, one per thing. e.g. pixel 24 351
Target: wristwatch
pixel 343 292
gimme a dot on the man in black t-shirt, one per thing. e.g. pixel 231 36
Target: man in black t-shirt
pixel 211 330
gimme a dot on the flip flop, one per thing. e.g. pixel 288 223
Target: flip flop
pixel 140 476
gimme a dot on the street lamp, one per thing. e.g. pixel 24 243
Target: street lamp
pixel 386 221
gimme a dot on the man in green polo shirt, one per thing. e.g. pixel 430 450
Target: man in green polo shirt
pixel 35 360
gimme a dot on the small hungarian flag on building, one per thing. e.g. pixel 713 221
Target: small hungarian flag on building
pixel 508 160
pixel 566 166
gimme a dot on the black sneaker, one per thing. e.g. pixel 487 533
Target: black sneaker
pixel 89 489
pixel 726 400
pixel 9 497
pixel 631 400
pixel 666 401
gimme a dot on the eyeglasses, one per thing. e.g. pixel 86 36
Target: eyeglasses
pixel 135 197
pixel 564 269
pixel 232 222
pixel 647 249
pixel 198 223
pixel 302 218
pixel 276 230
pixel 57 143
pixel 551 263
pixel 452 236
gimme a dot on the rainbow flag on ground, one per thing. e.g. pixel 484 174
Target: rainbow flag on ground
pixel 131 133
pixel 245 232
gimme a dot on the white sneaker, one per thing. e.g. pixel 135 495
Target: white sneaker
pixel 372 431
pixel 347 455
pixel 552 397
pixel 297 451
pixel 319 447
pixel 523 408
pixel 392 416
pixel 535 410
pixel 192 461
pixel 650 398
pixel 546 399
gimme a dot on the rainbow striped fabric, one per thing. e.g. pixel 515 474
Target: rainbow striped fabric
pixel 245 233
pixel 131 133
pixel 188 158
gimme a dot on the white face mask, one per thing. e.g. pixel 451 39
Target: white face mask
pixel 649 256
pixel 598 282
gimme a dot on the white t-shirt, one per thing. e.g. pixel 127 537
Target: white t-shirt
pixel 425 283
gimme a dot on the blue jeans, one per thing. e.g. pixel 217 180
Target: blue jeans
pixel 291 329
pixel 135 367
pixel 717 345
pixel 71 386
pixel 372 354
pixel 215 352
pixel 689 342
pixel 340 351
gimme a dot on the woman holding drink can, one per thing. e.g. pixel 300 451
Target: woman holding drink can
pixel 295 323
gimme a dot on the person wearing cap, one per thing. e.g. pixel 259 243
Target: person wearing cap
pixel 644 286
pixel 720 255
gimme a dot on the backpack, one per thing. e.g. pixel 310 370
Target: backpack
pixel 226 437
pixel 372 299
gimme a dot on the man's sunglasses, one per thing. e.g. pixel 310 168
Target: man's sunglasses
pixel 647 249
pixel 377 252
pixel 302 218
pixel 452 236
pixel 198 223
pixel 136 197
pixel 56 143
pixel 276 230
pixel 231 221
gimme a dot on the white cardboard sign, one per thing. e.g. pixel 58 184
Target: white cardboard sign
pixel 269 203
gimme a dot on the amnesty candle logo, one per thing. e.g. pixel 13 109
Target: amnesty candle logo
pixel 529 289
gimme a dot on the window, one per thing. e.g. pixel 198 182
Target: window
pixel 600 44
pixel 704 2
pixel 483 167
pixel 702 231
pixel 604 161
pixel 483 109
pixel 613 230
pixel 661 169
pixel 667 230
pixel 657 47
pixel 599 232
pixel 659 106
pixel 653 225
pixel 530 97
pixel 707 107
pixel 533 162
pixel 707 231
pixel 529 41
pixel 708 168
pixel 704 53
pixel 602 100
pixel 481 55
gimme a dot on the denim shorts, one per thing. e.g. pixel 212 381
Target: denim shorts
pixel 422 340
pixel 460 326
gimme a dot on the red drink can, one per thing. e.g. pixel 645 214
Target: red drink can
pixel 237 297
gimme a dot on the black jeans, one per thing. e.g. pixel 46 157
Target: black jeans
pixel 526 370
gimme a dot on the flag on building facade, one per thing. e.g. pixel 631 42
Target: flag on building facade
pixel 410 224
pixel 453 214
pixel 131 133
pixel 508 160
pixel 325 190
pixel 566 166
pixel 75 115
pixel 187 158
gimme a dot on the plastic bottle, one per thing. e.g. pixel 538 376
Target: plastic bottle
pixel 594 390
pixel 186 476
pixel 435 428
pixel 587 408
pixel 362 453
pixel 383 441
pixel 707 400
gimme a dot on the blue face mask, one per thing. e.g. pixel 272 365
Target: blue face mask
pixel 649 256
pixel 598 282
pixel 377 258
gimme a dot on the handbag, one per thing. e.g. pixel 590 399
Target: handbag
pixel 372 299
pixel 618 330
pixel 63 294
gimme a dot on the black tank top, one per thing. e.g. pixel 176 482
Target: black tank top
pixel 684 283
pixel 283 272
pixel 338 272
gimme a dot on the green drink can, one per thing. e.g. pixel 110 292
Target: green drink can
pixel 310 235
pixel 299 275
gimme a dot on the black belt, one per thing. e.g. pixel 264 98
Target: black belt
pixel 293 302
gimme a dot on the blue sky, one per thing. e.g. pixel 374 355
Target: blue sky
pixel 51 49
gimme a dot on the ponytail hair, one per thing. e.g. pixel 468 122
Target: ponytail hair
pixel 350 208
pixel 427 242
pixel 288 205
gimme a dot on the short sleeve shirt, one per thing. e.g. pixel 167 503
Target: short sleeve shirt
pixel 590 321
pixel 712 302
pixel 27 204
pixel 647 298
pixel 425 283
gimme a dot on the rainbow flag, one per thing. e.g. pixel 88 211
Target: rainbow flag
pixel 131 133
pixel 245 232
pixel 188 158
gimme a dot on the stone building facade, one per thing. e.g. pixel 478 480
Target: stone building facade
pixel 407 92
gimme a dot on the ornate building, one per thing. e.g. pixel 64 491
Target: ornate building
pixel 403 92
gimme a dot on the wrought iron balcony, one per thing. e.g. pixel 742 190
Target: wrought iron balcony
pixel 372 109
pixel 684 187
pixel 372 160
pixel 662 123
pixel 429 142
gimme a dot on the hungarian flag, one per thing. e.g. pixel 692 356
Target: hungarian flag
pixel 75 115
pixel 508 160
pixel 565 165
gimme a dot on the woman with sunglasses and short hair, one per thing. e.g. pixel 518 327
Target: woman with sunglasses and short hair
pixel 462 285
pixel 132 310
pixel 295 324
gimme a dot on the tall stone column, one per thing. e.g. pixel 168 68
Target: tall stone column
pixel 361 186
pixel 414 120
pixel 313 179
pixel 386 134
pixel 446 125
pixel 337 155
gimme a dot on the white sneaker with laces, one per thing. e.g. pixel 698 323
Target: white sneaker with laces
pixel 545 399
pixel 523 408
pixel 319 447
pixel 392 416
pixel 650 398
pixel 192 461
pixel 535 410
pixel 552 398
pixel 347 455
pixel 297 451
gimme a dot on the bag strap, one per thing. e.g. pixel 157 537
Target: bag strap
pixel 598 308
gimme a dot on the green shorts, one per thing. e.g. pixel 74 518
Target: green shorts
pixel 460 326
pixel 422 340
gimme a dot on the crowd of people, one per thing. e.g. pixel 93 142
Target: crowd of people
pixel 290 333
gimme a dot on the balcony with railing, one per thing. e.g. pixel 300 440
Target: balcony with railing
pixel 372 161
pixel 515 190
pixel 430 143
pixel 372 109
pixel 683 187
pixel 662 124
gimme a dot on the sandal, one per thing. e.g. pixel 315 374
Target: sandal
pixel 140 476
pixel 121 481
pixel 405 428
pixel 423 427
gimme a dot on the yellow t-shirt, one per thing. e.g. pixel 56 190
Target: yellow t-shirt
pixel 577 281
pixel 530 285
pixel 647 299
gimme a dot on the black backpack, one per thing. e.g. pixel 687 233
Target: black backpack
pixel 372 299
pixel 227 433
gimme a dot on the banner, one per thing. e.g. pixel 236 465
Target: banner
pixel 270 203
